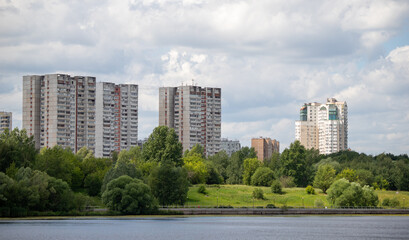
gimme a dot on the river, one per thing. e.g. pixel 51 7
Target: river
pixel 196 228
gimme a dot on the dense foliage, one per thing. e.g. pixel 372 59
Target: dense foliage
pixel 55 179
pixel 343 193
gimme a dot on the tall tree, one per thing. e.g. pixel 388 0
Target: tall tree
pixel 324 177
pixel 163 145
pixel 294 164
pixel 17 147
pixel 250 166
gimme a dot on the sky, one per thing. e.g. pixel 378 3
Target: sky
pixel 268 56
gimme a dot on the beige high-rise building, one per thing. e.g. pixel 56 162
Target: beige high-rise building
pixel 195 114
pixel 265 147
pixel 323 126
pixel 60 110
pixel 5 121
pixel 116 118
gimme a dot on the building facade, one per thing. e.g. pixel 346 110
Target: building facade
pixel 323 126
pixel 5 121
pixel 230 146
pixel 265 147
pixel 195 114
pixel 60 110
pixel 116 118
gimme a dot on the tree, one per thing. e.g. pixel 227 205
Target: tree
pixel 163 145
pixel 56 162
pixel 294 164
pixel 220 161
pixel 348 174
pixel 324 177
pixel 250 166
pixel 121 168
pixel 169 184
pixel 17 147
pixel 263 176
pixel 213 176
pixel 258 193
pixel 364 177
pixel 196 149
pixel 196 168
pixel 235 169
pixel 129 196
pixel 350 194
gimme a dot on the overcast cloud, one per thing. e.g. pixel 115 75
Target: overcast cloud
pixel 269 57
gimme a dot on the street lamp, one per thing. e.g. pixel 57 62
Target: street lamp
pixel 302 202
pixel 403 203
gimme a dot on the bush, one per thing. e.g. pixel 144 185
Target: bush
pixel 394 202
pixel 258 193
pixel 276 187
pixel 345 194
pixel 287 182
pixel 310 190
pixel 202 189
pixel 263 176
pixel 318 203
pixel 129 195
pixel 270 206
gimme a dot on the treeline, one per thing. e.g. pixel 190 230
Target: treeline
pixel 139 180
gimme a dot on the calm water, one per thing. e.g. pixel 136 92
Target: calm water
pixel 306 227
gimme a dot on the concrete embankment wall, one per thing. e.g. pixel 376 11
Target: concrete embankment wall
pixel 279 211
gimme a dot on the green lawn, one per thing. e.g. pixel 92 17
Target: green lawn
pixel 241 195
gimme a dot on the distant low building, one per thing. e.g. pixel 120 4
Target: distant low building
pixel 5 121
pixel 230 146
pixel 265 147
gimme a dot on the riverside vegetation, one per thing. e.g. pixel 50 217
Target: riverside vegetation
pixel 56 181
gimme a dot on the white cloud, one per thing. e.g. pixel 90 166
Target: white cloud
pixel 269 57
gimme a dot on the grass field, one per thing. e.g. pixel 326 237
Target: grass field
pixel 241 196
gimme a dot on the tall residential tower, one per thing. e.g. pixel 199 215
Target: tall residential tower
pixel 323 126
pixel 195 114
pixel 5 121
pixel 116 118
pixel 60 110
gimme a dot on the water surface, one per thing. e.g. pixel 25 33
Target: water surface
pixel 304 227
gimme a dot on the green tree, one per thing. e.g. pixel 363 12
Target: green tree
pixel 294 164
pixel 122 167
pixel 263 176
pixel 196 149
pixel 324 177
pixel 163 145
pixel 235 169
pixel 129 196
pixel 17 147
pixel 196 168
pixel 220 161
pixel 213 176
pixel 364 177
pixel 329 161
pixel 348 174
pixel 56 162
pixel 258 193
pixel 276 187
pixel 250 166
pixel 169 184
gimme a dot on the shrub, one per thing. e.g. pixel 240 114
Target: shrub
pixel 318 203
pixel 387 202
pixel 310 190
pixel 258 193
pixel 287 182
pixel 276 187
pixel 346 194
pixel 263 176
pixel 202 189
pixel 270 206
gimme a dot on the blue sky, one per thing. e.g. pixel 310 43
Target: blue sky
pixel 269 57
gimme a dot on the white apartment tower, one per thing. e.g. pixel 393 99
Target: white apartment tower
pixel 5 121
pixel 117 118
pixel 230 146
pixel 195 114
pixel 323 126
pixel 60 110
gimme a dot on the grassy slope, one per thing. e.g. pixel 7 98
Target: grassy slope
pixel 241 195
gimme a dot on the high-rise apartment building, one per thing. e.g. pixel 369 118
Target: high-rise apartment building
pixel 195 114
pixel 60 110
pixel 265 147
pixel 323 126
pixel 5 121
pixel 116 117
pixel 230 146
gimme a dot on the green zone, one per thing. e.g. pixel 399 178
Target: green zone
pixel 241 196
